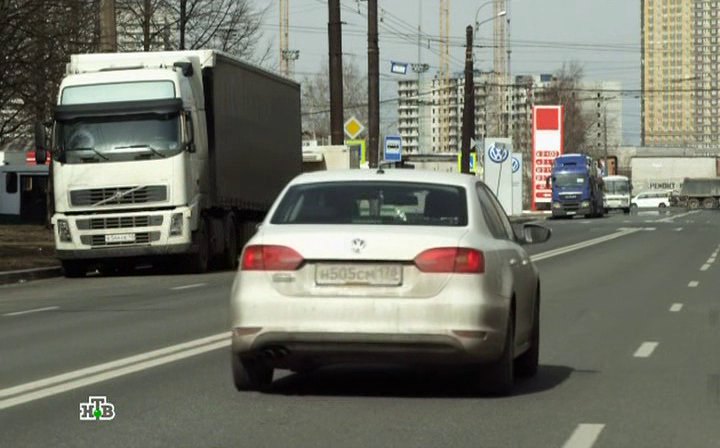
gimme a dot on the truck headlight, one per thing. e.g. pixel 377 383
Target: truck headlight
pixel 64 231
pixel 176 224
pixel 585 204
pixel 557 205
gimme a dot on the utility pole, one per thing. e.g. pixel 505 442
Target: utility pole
pixel 468 123
pixel 336 73
pixel 444 78
pixel 607 166
pixel 373 83
pixel 183 22
pixel 108 30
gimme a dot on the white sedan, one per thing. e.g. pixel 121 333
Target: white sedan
pixel 387 266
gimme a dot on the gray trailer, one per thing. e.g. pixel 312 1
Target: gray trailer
pixel 254 134
pixel 700 192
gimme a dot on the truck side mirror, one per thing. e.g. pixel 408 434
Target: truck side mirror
pixel 40 142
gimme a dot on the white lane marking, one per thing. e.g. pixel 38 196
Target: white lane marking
pixel 584 436
pixel 582 245
pixel 705 267
pixel 676 307
pixel 681 215
pixel 97 378
pixel 68 376
pixel 646 349
pixel 36 310
pixel 693 284
pixel 194 285
pixel 679 229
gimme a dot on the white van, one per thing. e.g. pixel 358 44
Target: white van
pixel 616 191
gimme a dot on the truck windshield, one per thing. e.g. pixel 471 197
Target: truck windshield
pixel 564 180
pixel 92 140
pixel 617 187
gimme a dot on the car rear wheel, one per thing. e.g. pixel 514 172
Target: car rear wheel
pixel 526 365
pixel 251 374
pixel 502 372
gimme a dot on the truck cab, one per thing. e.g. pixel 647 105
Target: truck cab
pixel 576 187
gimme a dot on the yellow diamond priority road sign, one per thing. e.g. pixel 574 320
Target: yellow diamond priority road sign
pixel 353 127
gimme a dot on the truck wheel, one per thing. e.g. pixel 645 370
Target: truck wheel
pixel 199 261
pixel 231 244
pixel 251 374
pixel 693 204
pixel 74 268
pixel 708 203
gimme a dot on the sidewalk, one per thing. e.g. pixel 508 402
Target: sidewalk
pixel 24 275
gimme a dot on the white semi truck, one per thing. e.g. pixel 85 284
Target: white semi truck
pixel 167 155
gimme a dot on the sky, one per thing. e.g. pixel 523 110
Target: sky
pixel 602 35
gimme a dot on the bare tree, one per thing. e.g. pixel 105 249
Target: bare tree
pixel 565 91
pixel 316 98
pixel 37 38
pixel 144 24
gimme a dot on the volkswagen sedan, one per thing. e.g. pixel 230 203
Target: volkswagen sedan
pixel 387 266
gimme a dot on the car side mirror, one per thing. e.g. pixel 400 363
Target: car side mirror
pixel 535 234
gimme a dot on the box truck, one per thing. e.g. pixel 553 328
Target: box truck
pixel 167 154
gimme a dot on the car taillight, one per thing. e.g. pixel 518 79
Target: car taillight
pixel 451 259
pixel 270 258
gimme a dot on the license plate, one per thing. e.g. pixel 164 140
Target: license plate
pixel 571 213
pixel 359 274
pixel 120 238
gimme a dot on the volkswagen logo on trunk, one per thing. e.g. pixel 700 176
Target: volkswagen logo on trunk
pixel 358 245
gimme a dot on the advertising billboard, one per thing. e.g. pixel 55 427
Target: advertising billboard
pixel 547 145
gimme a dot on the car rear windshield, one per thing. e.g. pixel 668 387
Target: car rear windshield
pixel 387 203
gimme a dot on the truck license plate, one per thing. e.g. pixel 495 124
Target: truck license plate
pixel 120 238
pixel 359 274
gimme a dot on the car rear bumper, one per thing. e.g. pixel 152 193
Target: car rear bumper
pixel 294 350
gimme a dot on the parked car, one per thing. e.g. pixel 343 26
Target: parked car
pixel 652 199
pixel 397 266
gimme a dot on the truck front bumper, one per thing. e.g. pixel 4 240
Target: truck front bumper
pixel 132 233
pixel 561 209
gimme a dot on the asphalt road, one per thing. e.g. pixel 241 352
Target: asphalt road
pixel 630 334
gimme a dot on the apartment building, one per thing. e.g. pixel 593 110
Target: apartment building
pixel 680 51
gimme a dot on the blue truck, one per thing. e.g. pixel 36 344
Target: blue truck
pixel 576 187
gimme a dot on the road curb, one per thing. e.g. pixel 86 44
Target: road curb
pixel 24 275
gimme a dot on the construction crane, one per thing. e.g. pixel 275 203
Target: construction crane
pixel 444 76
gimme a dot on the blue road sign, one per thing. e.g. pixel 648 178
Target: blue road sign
pixel 393 148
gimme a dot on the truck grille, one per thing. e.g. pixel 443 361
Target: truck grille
pixel 119 195
pixel 572 206
pixel 119 222
pixel 140 238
